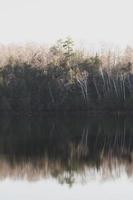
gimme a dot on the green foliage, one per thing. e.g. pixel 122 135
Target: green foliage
pixel 64 50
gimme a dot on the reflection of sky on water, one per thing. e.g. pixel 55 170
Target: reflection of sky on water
pixel 119 189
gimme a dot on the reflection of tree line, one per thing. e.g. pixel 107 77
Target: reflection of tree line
pixel 64 148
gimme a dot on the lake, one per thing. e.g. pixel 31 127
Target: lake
pixel 66 158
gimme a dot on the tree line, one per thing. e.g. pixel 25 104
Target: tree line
pixel 62 78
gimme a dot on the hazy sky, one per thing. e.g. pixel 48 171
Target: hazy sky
pixel 91 21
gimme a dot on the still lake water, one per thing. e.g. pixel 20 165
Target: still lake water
pixel 71 158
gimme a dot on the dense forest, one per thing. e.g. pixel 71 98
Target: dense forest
pixel 61 78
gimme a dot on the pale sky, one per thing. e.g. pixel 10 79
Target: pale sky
pixel 45 21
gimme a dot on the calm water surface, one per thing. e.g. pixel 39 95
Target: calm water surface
pixel 66 158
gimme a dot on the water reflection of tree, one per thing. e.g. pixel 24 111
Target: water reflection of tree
pixel 65 148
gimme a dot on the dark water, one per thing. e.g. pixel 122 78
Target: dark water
pixel 75 157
